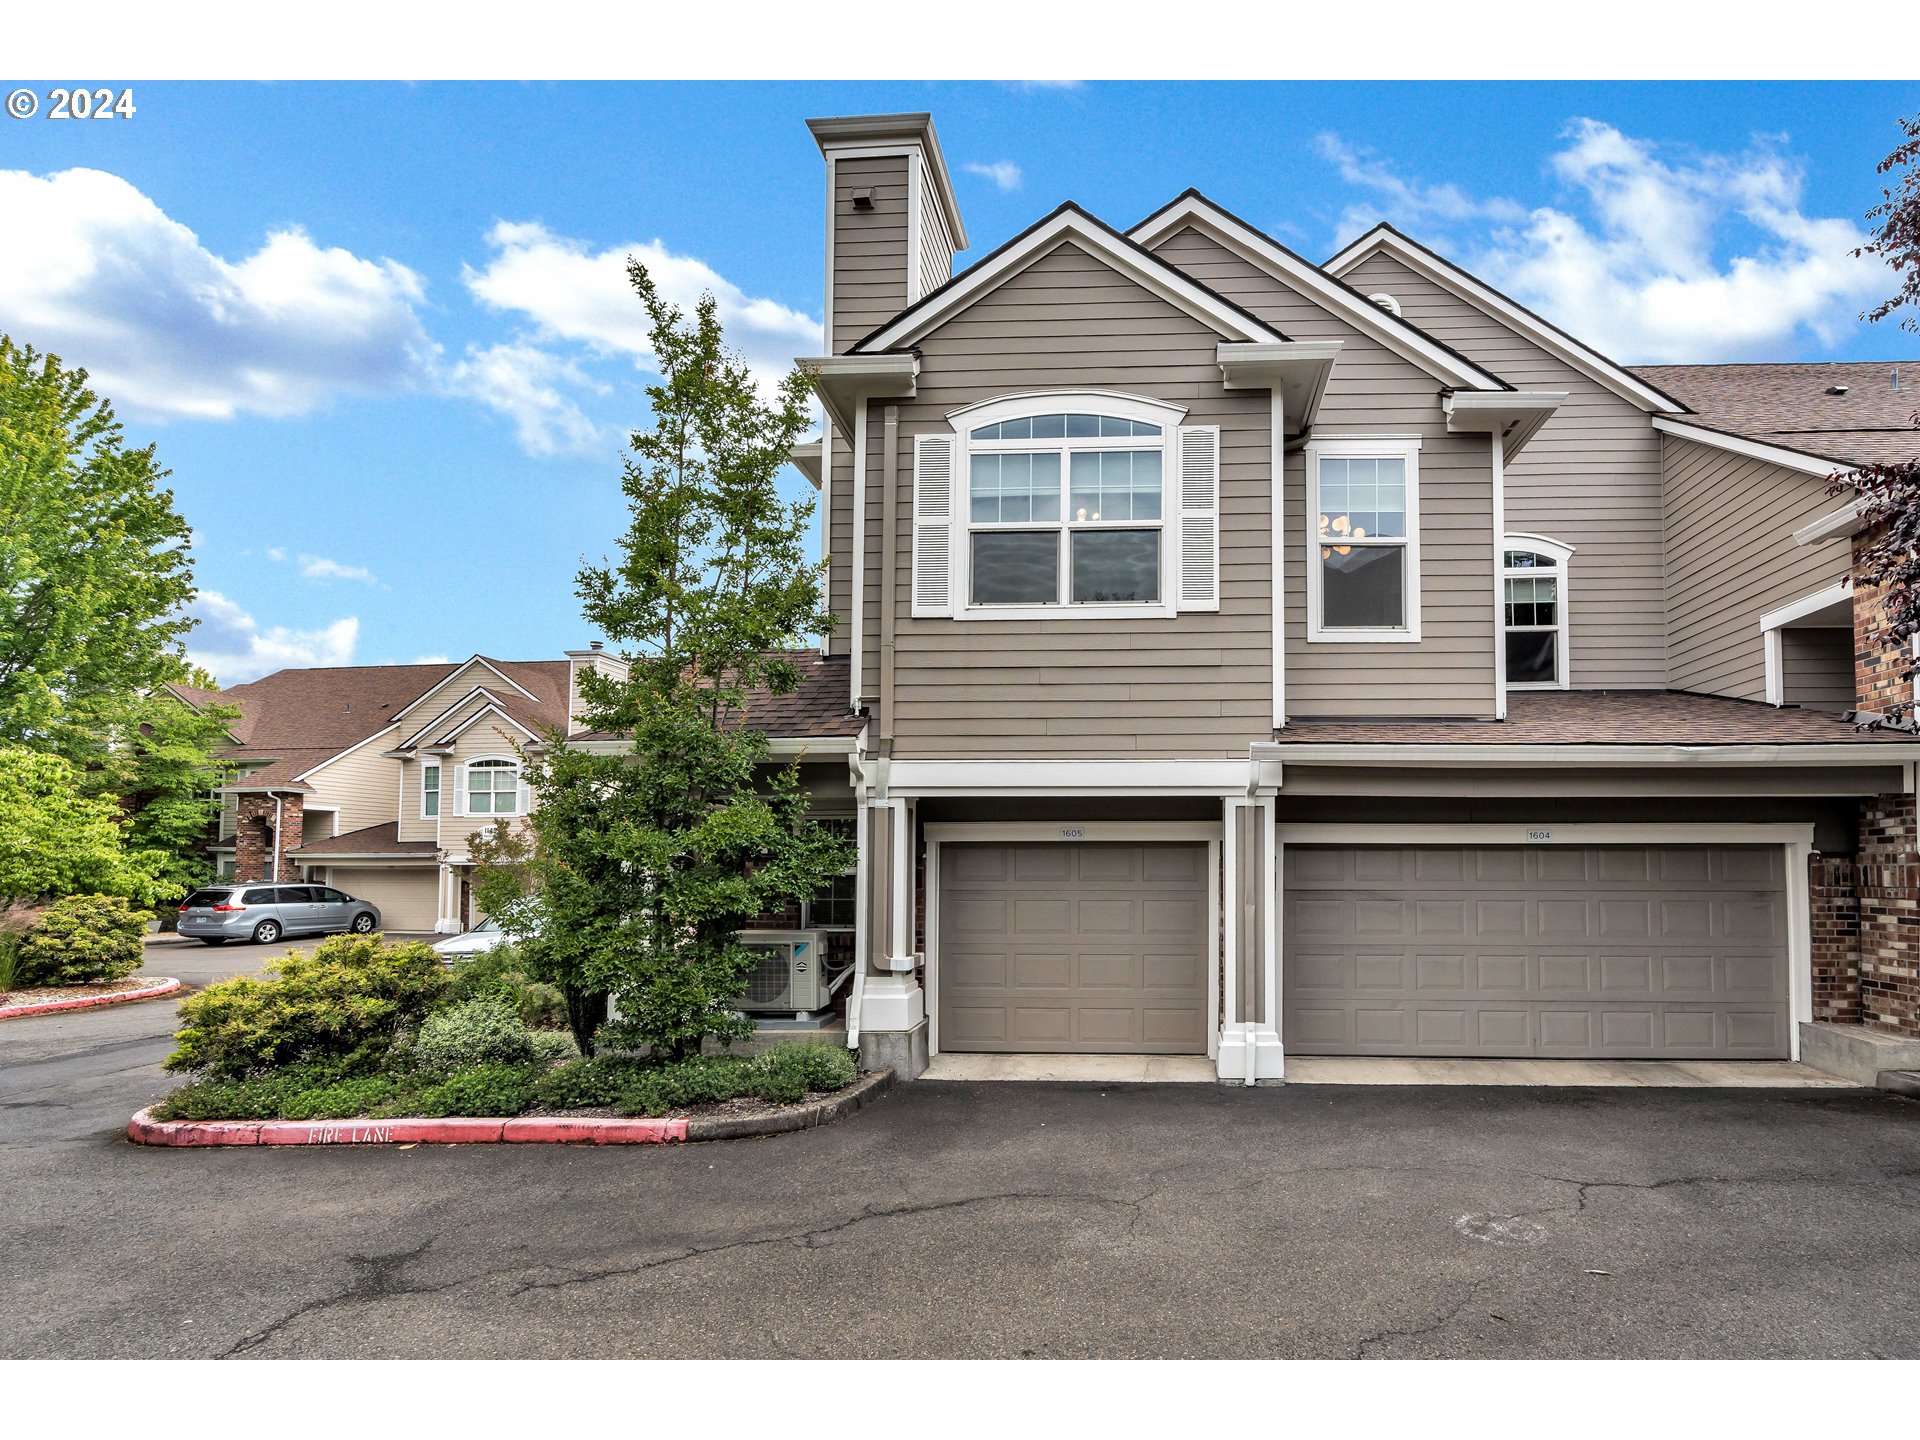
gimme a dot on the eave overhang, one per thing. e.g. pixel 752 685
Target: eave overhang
pixel 807 458
pixel 1514 415
pixel 1842 524
pixel 844 380
pixel 1884 752
pixel 1296 370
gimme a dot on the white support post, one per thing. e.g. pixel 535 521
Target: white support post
pixel 1499 576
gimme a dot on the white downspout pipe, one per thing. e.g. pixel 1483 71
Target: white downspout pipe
pixel 278 803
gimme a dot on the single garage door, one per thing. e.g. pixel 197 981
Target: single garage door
pixel 406 899
pixel 1669 952
pixel 1077 948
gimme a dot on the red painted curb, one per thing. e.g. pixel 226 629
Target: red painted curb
pixel 87 1002
pixel 143 1129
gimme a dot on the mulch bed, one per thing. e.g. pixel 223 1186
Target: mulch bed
pixel 41 995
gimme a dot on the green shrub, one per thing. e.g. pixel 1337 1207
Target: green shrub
pixel 501 973
pixel 552 1046
pixel 482 1090
pixel 587 1083
pixel 341 1100
pixel 84 940
pixel 346 1003
pixel 483 1031
pixel 781 1076
pixel 13 969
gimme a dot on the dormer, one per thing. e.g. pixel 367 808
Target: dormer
pixel 892 222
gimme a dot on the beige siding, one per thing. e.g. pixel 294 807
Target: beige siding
pixel 936 250
pixel 413 825
pixel 1731 557
pixel 840 551
pixel 1590 479
pixel 489 737
pixel 870 258
pixel 363 785
pixel 1816 667
pixel 1372 391
pixel 1198 684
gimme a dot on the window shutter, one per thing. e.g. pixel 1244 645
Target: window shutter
pixel 459 790
pixel 1199 469
pixel 933 457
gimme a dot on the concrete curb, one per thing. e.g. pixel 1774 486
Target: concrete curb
pixel 1900 1082
pixel 143 1129
pixel 88 1002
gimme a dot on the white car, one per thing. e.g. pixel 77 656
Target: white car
pixel 482 937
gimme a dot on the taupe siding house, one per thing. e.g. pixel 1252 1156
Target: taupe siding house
pixel 1255 657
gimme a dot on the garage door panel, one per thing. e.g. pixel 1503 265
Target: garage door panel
pixel 1087 947
pixel 407 899
pixel 1663 951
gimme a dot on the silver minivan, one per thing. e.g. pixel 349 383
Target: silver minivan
pixel 263 913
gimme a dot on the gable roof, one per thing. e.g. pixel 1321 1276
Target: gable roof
pixel 1068 223
pixel 1788 405
pixel 1192 209
pixel 816 709
pixel 1476 292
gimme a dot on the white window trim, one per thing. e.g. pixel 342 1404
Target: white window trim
pixel 519 789
pixel 439 789
pixel 1358 447
pixel 1562 556
pixel 1774 621
pixel 1113 403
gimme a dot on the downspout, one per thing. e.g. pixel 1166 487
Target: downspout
pixel 277 803
pixel 889 519
pixel 857 595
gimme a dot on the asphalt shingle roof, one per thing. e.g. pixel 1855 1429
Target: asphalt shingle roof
pixel 817 709
pixel 1604 717
pixel 1871 423
pixel 382 839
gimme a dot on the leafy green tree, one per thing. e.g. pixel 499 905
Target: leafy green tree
pixel 159 757
pixel 94 567
pixel 55 841
pixel 640 868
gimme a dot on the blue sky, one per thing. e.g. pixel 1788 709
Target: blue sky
pixel 379 336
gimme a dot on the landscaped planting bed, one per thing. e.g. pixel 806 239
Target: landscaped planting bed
pixel 359 1029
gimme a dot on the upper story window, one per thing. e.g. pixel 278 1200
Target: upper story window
pixel 430 789
pixel 1064 508
pixel 1087 502
pixel 1363 556
pixel 1533 580
pixel 493 787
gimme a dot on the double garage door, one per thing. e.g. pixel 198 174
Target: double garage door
pixel 1074 948
pixel 1666 952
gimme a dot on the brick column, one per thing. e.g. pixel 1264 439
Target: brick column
pixel 1877 664
pixel 255 846
pixel 1888 885
pixel 1836 939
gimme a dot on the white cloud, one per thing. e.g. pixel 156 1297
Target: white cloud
pixel 1003 173
pixel 1408 204
pixel 230 642
pixel 525 383
pixel 319 567
pixel 1660 256
pixel 93 270
pixel 431 660
pixel 569 291
pixel 274 552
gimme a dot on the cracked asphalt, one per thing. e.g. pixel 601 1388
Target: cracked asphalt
pixel 955 1219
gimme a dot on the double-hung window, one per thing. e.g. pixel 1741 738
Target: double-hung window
pixel 430 789
pixel 493 787
pixel 1066 508
pixel 1533 580
pixel 1363 539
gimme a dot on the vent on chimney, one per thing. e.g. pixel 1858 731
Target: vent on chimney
pixel 596 645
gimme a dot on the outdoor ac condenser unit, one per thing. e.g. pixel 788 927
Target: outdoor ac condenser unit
pixel 788 972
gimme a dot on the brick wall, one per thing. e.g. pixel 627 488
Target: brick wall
pixel 253 837
pixel 1877 665
pixel 1836 939
pixel 1887 881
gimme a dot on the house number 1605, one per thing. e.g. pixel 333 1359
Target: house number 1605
pixel 1073 832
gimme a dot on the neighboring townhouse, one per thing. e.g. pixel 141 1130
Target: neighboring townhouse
pixel 1262 658
pixel 375 778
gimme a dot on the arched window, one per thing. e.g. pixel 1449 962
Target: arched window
pixel 1089 500
pixel 1534 591
pixel 492 786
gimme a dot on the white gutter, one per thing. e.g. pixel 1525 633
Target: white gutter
pixel 1395 754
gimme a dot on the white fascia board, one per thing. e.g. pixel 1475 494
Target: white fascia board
pixel 1803 461
pixel 360 745
pixel 479 692
pixel 1297 370
pixel 479 715
pixel 1457 282
pixel 1577 756
pixel 808 458
pixel 1152 274
pixel 1599 833
pixel 842 381
pixel 1514 415
pixel 1067 777
pixel 455 674
pixel 1849 520
pixel 1403 339
pixel 1807 605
